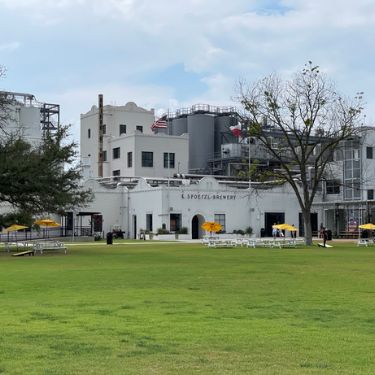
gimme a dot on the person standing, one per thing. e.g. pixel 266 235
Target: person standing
pixel 274 231
pixel 293 232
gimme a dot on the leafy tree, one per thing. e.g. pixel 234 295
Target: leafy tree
pixel 41 178
pixel 37 178
pixel 311 120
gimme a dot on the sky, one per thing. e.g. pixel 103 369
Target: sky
pixel 171 54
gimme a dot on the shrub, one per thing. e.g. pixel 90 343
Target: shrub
pixel 183 230
pixel 249 230
pixel 163 231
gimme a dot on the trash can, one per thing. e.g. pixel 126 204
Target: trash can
pixel 329 235
pixel 262 232
pixel 109 238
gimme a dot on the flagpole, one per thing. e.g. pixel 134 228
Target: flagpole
pixel 169 172
pixel 249 140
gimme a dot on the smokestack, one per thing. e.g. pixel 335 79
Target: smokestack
pixel 100 127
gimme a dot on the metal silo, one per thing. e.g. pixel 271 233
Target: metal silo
pixel 223 134
pixel 179 126
pixel 201 140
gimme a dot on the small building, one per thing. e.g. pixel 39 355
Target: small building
pixel 150 204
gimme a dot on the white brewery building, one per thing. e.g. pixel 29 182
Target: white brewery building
pixel 186 173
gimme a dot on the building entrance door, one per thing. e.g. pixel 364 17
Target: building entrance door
pixel 270 219
pixel 195 228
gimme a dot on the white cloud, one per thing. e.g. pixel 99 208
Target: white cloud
pixel 69 51
pixel 9 46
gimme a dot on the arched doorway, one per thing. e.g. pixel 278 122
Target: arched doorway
pixel 196 230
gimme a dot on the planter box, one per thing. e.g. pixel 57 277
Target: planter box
pixel 165 237
pixel 171 237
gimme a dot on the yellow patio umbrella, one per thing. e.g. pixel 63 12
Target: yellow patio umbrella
pixel 47 223
pixel 367 226
pixel 211 226
pixel 286 226
pixel 14 227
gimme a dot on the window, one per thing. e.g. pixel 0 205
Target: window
pixel 130 159
pixel 352 191
pixel 175 222
pixel 333 187
pixel 168 157
pixel 116 173
pixel 370 194
pixel 122 129
pixel 140 128
pixel 104 129
pixel 369 152
pixel 104 155
pixel 116 153
pixel 147 159
pixel 220 219
pixel 88 133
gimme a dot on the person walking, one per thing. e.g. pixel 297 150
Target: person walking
pixel 320 233
pixel 325 236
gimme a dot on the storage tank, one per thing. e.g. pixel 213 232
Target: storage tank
pixel 201 140
pixel 179 126
pixel 30 121
pixel 223 134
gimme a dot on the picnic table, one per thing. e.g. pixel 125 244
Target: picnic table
pixel 221 243
pixel 207 239
pixel 365 242
pixel 17 245
pixel 257 242
pixel 42 245
pixel 285 243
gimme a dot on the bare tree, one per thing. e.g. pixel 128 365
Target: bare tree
pixel 310 120
pixel 5 103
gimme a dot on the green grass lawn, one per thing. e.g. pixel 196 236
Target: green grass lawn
pixel 152 308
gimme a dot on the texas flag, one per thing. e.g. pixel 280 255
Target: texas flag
pixel 237 130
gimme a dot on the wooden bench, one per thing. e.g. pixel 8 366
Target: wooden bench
pixel 349 234
pixel 48 245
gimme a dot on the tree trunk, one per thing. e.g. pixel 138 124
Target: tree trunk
pixel 308 230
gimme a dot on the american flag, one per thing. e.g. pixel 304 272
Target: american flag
pixel 159 124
